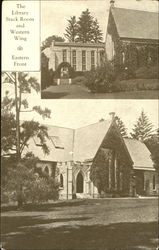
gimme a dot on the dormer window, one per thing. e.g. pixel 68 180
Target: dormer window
pixel 57 142
pixel 37 141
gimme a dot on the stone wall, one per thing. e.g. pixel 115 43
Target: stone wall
pixel 149 187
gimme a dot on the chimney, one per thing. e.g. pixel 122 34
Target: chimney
pixel 112 2
pixel 112 115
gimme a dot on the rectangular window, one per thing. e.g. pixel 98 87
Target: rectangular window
pixel 64 55
pixel 83 60
pixel 101 56
pixel 92 59
pixel 37 141
pixel 154 182
pixel 74 59
pixel 56 142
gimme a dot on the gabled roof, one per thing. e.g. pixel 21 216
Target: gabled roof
pixel 136 24
pixel 139 154
pixel 88 140
pixel 61 152
pixel 83 143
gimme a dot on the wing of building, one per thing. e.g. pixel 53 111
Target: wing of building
pixel 74 152
pixel 132 35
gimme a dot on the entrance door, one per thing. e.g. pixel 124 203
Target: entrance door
pixel 79 183
pixel 64 73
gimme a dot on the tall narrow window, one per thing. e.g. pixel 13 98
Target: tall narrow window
pixel 74 59
pixel 154 182
pixel 64 55
pixel 83 60
pixel 61 180
pixel 101 56
pixel 92 60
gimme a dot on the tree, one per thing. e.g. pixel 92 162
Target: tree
pixel 153 145
pixel 85 27
pixel 71 29
pixel 121 126
pixel 21 183
pixel 48 41
pixel 101 78
pixel 16 134
pixel 143 128
pixel 97 33
pixel 88 29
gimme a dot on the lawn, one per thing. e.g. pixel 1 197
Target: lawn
pixel 97 224
pixel 79 91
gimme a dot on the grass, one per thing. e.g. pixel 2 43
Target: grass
pixel 98 224
pixel 79 91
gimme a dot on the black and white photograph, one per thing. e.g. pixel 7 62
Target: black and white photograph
pixel 107 50
pixel 80 134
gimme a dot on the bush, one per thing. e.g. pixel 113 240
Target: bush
pixel 101 78
pixel 79 80
pixel 23 185
pixel 135 85
pixel 149 72
pixel 78 73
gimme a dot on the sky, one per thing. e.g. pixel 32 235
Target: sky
pixel 54 14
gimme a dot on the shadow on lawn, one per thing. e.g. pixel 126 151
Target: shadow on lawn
pixel 46 206
pixel 51 95
pixel 18 234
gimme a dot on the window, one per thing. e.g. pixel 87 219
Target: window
pixel 83 60
pixel 101 56
pixel 37 141
pixel 61 180
pixel 46 170
pixel 74 59
pixel 64 55
pixel 154 182
pixel 57 142
pixel 92 60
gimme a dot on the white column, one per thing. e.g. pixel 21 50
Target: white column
pixel 58 81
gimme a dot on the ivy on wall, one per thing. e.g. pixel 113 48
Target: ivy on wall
pixel 131 56
pixel 112 148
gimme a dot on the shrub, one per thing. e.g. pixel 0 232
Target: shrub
pixel 23 185
pixel 149 72
pixel 78 73
pixel 135 85
pixel 79 80
pixel 101 78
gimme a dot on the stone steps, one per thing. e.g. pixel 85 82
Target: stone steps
pixel 82 196
pixel 64 81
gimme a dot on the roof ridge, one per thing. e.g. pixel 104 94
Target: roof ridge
pixel 135 10
pixel 94 124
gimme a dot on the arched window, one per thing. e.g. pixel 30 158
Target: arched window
pixel 61 180
pixel 46 170
pixel 154 182
pixel 79 183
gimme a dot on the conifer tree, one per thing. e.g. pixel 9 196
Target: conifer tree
pixel 97 33
pixel 143 128
pixel 121 126
pixel 71 29
pixel 85 27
